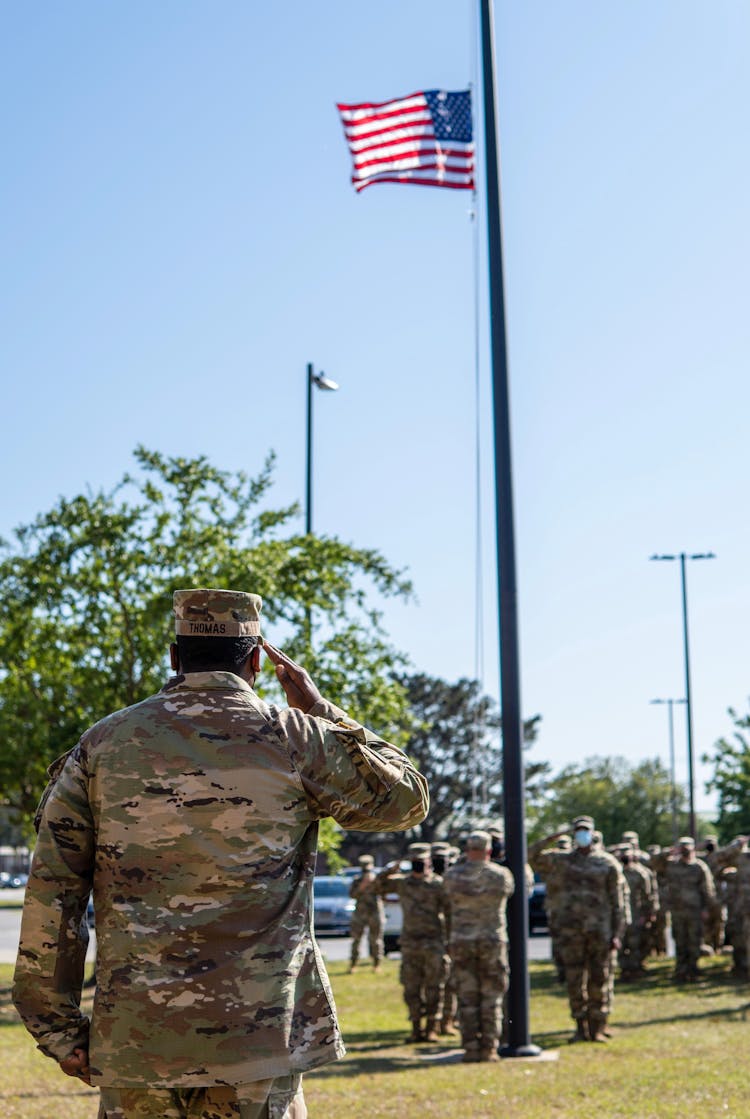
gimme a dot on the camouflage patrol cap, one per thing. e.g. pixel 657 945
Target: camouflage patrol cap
pixel 497 830
pixel 440 848
pixel 203 612
pixel 419 850
pixel 454 853
pixel 584 822
pixel 478 841
pixel 686 841
pixel 565 843
pixel 366 860
pixel 630 836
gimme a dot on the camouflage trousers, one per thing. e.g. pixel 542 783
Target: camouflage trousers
pixel 633 947
pixel 687 930
pixel 713 927
pixel 480 968
pixel 587 959
pixel 424 969
pixel 373 923
pixel 280 1098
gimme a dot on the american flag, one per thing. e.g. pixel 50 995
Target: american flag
pixel 424 139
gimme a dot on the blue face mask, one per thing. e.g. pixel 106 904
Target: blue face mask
pixel 583 837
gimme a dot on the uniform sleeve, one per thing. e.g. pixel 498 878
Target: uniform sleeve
pixel 351 774
pixel 708 890
pixel 54 932
pixel 619 899
pixel 541 859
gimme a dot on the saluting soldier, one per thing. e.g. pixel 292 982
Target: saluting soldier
pixel 424 961
pixel 194 817
pixel 592 911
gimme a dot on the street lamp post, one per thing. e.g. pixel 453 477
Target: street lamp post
pixel 689 708
pixel 673 782
pixel 326 385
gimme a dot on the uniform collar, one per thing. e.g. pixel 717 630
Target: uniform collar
pixel 207 681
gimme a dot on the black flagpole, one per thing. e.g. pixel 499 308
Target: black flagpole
pixel 513 781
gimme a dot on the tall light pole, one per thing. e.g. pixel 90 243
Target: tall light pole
pixel 673 798
pixel 682 557
pixel 326 385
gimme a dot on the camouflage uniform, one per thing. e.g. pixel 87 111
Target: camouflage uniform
pixel 369 914
pixel 713 926
pixel 554 882
pixel 478 893
pixel 424 962
pixel 736 858
pixel 729 887
pixel 691 891
pixel 193 816
pixel 643 906
pixel 592 912
pixel 442 858
pixel 657 937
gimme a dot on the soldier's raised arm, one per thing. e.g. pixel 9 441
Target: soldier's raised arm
pixel 540 859
pixel 347 771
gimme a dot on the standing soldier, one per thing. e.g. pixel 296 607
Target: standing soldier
pixel 479 891
pixel 658 932
pixel 730 892
pixel 592 913
pixel 643 906
pixel 713 927
pixel 424 962
pixel 736 857
pixel 442 857
pixel 194 817
pixel 691 891
pixel 369 913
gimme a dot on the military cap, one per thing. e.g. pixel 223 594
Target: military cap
pixel 497 830
pixel 478 841
pixel 711 839
pixel 631 836
pixel 686 841
pixel 203 612
pixel 419 850
pixel 564 843
pixel 583 822
pixel 454 853
pixel 440 848
pixel 366 860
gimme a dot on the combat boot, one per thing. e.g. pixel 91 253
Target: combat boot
pixel 598 1028
pixel 489 1055
pixel 471 1055
pixel 581 1033
pixel 431 1032
pixel 416 1031
pixel 448 1028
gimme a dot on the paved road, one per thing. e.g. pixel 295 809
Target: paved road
pixel 332 947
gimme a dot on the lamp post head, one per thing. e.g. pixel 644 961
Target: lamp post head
pixel 325 383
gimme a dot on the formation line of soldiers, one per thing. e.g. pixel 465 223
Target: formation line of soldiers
pixel 454 952
pixel 605 907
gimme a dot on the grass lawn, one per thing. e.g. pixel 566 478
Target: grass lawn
pixel 677 1053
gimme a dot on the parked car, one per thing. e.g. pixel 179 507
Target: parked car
pixel 332 906
pixel 537 912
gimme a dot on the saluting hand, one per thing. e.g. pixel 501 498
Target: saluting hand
pixel 296 681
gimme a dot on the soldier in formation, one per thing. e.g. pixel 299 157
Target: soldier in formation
pixel 369 914
pixel 424 959
pixel 194 817
pixel 444 856
pixel 644 904
pixel 479 890
pixel 592 911
pixel 690 889
pixel 733 862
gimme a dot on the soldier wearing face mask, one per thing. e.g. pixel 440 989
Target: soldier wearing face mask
pixel 591 914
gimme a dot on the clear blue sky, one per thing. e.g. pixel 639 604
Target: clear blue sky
pixel 180 237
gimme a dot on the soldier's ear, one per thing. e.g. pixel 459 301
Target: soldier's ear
pixel 255 659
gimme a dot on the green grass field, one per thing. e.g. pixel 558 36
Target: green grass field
pixel 677 1053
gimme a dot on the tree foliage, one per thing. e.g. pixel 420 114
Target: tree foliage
pixel 88 590
pixel 455 741
pixel 731 779
pixel 618 795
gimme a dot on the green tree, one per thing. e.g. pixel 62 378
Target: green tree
pixel 618 795
pixel 455 741
pixel 88 585
pixel 731 779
